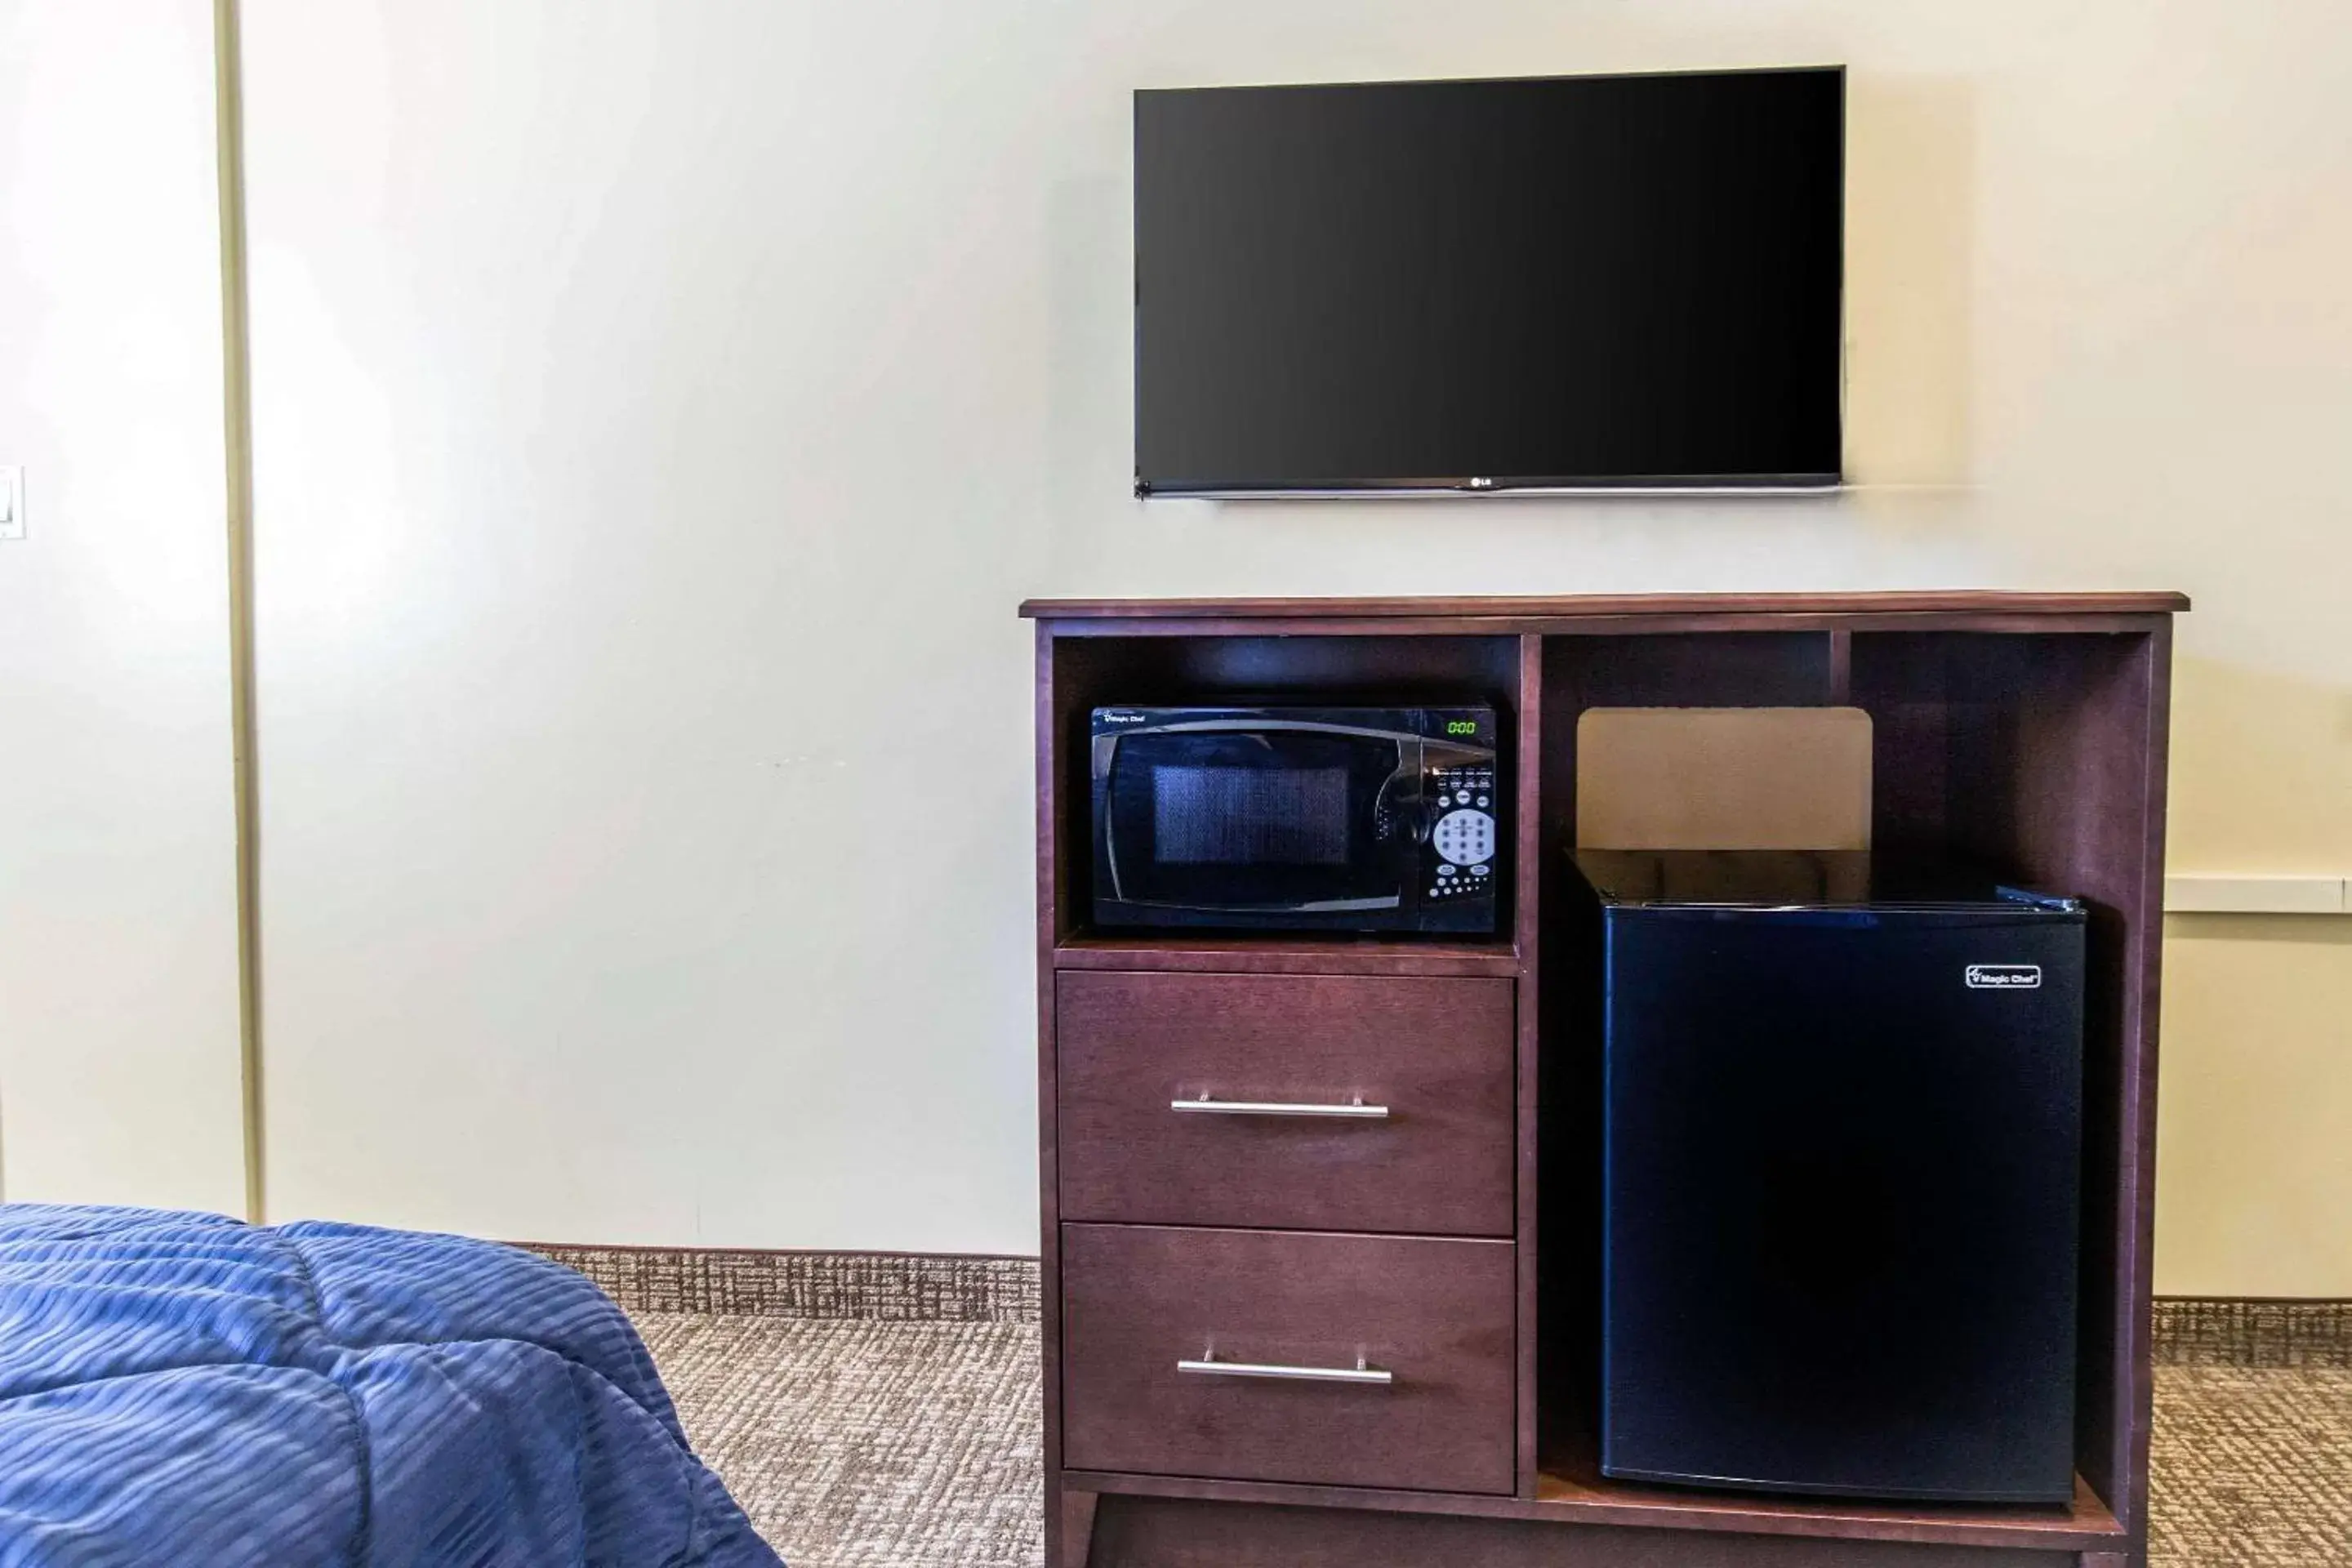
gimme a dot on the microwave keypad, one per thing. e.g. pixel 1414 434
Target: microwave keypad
pixel 1473 786
pixel 1466 837
pixel 1464 833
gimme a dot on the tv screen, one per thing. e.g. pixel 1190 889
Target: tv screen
pixel 1552 283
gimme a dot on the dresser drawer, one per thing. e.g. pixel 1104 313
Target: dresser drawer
pixel 1363 1361
pixel 1323 1102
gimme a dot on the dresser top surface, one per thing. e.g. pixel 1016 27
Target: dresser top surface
pixel 1999 603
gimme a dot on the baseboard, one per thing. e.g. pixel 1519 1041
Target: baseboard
pixel 879 1287
pixel 922 1287
pixel 2194 1330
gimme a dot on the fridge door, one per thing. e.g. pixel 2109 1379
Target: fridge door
pixel 1843 1155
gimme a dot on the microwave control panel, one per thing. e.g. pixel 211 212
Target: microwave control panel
pixel 1463 832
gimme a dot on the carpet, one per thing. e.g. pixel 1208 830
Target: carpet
pixel 865 1444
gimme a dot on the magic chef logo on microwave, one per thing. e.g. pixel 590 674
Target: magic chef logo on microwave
pixel 1110 718
pixel 2004 976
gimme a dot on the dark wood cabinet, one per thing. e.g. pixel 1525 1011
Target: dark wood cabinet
pixel 1389 1316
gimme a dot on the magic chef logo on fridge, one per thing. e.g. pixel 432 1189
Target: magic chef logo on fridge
pixel 2004 976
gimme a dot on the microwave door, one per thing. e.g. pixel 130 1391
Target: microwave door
pixel 1263 820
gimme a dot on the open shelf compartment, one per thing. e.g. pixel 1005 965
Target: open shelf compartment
pixel 2038 755
pixel 1084 673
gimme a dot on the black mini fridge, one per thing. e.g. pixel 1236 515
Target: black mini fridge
pixel 1842 1150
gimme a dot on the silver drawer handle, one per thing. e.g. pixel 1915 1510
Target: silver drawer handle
pixel 1359 1373
pixel 1354 1111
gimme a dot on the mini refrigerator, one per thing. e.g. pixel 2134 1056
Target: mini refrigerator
pixel 1841 1171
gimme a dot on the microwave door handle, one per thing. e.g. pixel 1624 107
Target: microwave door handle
pixel 1106 758
pixel 1381 802
pixel 1413 765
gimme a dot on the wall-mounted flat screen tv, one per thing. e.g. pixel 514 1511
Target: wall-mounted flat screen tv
pixel 1548 283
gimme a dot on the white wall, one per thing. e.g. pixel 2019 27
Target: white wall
pixel 118 893
pixel 662 406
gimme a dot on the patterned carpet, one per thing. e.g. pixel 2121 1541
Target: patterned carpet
pixel 2251 1466
pixel 865 1445
pixel 883 1441
pixel 899 1444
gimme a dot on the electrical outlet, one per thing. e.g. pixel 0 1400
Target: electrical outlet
pixel 12 503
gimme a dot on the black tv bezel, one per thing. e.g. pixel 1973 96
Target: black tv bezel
pixel 1527 485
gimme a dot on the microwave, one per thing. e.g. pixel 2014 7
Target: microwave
pixel 1354 820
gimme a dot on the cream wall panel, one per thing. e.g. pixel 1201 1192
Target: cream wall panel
pixel 660 408
pixel 119 1056
pixel 2254 1166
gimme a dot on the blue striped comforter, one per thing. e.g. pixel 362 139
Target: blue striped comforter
pixel 181 1388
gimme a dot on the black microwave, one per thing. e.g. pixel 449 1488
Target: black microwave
pixel 1359 819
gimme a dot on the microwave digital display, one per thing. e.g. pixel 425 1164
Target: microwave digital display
pixel 1310 818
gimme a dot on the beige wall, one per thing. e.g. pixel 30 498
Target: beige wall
pixel 2255 1165
pixel 2256 1188
pixel 660 408
pixel 118 893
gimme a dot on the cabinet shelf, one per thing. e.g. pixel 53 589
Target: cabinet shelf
pixel 1572 1485
pixel 1175 951
pixel 1568 1493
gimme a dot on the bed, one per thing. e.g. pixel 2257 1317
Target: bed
pixel 181 1388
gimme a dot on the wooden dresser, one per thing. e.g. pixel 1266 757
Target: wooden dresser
pixel 1433 1271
